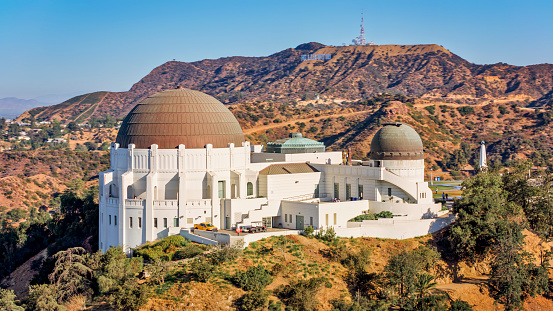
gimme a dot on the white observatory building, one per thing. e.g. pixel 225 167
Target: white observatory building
pixel 180 158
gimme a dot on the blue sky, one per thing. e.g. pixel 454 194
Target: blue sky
pixel 72 47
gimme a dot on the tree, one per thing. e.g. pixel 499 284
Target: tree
pixel 482 213
pixel 7 301
pixel 43 297
pixel 514 273
pixel 71 275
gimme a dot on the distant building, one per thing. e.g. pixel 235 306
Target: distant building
pixel 482 163
pixel 180 158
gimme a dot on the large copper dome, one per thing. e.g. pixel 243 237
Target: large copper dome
pixel 396 141
pixel 180 116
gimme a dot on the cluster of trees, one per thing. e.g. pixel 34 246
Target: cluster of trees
pixel 494 211
pixel 74 223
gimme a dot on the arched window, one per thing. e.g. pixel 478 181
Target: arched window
pixel 250 188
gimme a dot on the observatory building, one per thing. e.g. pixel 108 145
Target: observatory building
pixel 180 158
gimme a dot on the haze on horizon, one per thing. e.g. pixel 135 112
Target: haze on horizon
pixel 74 47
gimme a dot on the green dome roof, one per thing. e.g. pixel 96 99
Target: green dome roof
pixel 295 144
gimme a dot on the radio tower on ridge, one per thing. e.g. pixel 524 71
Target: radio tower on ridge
pixel 361 39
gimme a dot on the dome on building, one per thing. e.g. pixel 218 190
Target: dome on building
pixel 295 144
pixel 396 141
pixel 180 116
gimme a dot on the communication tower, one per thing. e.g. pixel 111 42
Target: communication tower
pixel 361 39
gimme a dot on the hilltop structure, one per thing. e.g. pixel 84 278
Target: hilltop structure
pixel 180 159
pixel 482 163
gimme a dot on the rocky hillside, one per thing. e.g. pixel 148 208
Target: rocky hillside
pixel 353 73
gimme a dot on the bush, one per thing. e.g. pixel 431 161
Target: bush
pixel 202 270
pixel 459 305
pixel 7 301
pixel 189 251
pixel 225 253
pixel 328 235
pixel 465 110
pixel 430 109
pixel 255 278
pixel 255 300
pixel 300 294
pixel 130 297
pixel 308 231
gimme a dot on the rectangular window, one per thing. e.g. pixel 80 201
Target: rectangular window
pixel 110 219
pixel 175 222
pixel 189 221
pixel 221 185
pixel 285 217
pixel 164 222
pixel 316 191
pixel 311 221
pixel 348 191
pixel 360 192
pixel 336 190
pixel 155 222
pixel 139 222
pixel 267 222
pixel 130 222
pixel 335 218
pixel 115 220
pixel 389 192
pixel 326 219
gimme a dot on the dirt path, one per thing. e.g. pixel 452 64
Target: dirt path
pixel 88 109
pixel 275 125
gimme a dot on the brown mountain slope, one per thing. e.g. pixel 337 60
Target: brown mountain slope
pixel 353 73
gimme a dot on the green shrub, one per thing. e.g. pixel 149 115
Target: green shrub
pixel 256 300
pixel 328 235
pixel 255 278
pixel 459 305
pixel 465 110
pixel 225 254
pixel 189 251
pixel 308 231
pixel 300 294
pixel 130 296
pixel 202 269
pixel 430 109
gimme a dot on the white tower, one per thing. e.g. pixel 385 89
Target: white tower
pixel 482 162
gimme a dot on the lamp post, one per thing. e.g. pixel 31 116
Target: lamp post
pixel 431 179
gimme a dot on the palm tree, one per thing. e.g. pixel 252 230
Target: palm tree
pixel 424 283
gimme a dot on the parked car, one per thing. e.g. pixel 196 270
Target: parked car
pixel 255 227
pixel 205 226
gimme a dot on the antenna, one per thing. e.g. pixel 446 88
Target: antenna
pixel 361 39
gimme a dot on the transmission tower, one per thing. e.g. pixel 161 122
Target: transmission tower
pixel 361 39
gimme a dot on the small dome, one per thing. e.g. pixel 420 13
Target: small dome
pixel 295 144
pixel 180 116
pixel 396 141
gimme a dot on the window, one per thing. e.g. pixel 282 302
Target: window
pixel 115 220
pixel 130 222
pixel 326 219
pixel 336 190
pixel 250 188
pixel 360 191
pixel 155 222
pixel 389 192
pixel 221 185
pixel 189 221
pixel 164 222
pixel 139 222
pixel 285 217
pixel 348 191
pixel 175 222
pixel 311 221
pixel 335 218
pixel 110 219
pixel 267 222
pixel 316 190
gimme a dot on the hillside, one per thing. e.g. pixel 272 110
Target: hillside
pixel 353 73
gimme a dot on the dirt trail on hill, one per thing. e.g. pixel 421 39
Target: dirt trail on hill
pixel 274 125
